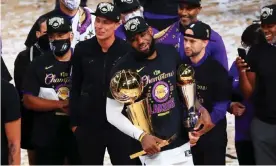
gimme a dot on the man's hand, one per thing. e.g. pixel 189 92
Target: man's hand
pixel 237 108
pixel 205 121
pixel 74 128
pixel 63 106
pixel 242 65
pixel 193 139
pixel 151 144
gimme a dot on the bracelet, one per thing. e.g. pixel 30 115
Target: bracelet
pixel 142 136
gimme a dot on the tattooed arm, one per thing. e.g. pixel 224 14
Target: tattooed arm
pixel 13 132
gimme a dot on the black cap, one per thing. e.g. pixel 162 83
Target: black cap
pixel 200 31
pixel 196 3
pixel 134 26
pixel 126 6
pixel 108 10
pixel 268 14
pixel 58 23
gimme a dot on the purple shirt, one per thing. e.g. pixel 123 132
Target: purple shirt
pixel 242 123
pixel 121 34
pixel 173 36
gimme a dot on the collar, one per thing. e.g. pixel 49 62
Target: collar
pixel 201 61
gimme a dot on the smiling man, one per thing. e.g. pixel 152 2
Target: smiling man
pixel 257 81
pixel 158 72
pixel 92 63
pixel 188 11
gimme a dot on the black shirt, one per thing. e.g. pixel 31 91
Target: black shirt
pixel 10 111
pixel 159 76
pixel 5 74
pixel 262 60
pixel 21 64
pixel 47 72
pixel 90 81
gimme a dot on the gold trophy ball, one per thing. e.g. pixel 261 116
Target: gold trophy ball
pixel 185 74
pixel 126 86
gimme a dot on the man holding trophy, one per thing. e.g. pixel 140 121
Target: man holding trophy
pixel 145 81
pixel 213 93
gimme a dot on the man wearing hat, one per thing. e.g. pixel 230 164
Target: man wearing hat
pixel 129 9
pixel 80 17
pixel 257 81
pixel 188 11
pixel 213 93
pixel 46 92
pixel 92 63
pixel 158 72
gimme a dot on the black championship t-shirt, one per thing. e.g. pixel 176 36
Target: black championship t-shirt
pixel 10 111
pixel 262 61
pixel 48 72
pixel 159 76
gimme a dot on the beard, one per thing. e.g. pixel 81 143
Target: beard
pixel 144 55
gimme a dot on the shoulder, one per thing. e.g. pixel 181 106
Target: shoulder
pixel 42 60
pixel 124 62
pixel 166 49
pixel 216 67
pixel 161 33
pixel 89 43
pixel 22 56
pixel 6 86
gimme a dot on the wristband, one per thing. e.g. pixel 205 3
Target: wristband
pixel 142 136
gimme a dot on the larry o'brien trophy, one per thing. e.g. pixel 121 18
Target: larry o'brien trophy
pixel 186 82
pixel 126 87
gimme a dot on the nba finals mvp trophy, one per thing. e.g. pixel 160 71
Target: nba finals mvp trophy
pixel 186 82
pixel 126 87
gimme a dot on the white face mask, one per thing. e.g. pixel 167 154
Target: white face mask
pixel 138 12
pixel 71 4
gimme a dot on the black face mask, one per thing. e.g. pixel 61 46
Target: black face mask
pixel 141 55
pixel 43 42
pixel 60 47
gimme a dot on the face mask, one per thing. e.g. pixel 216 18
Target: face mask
pixel 138 12
pixel 71 4
pixel 43 42
pixel 142 56
pixel 60 47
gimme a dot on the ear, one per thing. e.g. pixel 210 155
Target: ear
pixel 205 42
pixel 198 10
pixel 150 30
pixel 117 24
pixel 71 36
pixel 37 33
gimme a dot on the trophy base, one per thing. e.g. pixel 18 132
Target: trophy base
pixel 191 122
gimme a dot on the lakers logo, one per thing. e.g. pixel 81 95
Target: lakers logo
pixel 161 91
pixel 63 93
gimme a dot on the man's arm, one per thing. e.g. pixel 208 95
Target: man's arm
pixel 247 83
pixel 42 105
pixel 13 132
pixel 75 91
pixel 11 117
pixel 116 118
pixel 247 72
pixel 221 95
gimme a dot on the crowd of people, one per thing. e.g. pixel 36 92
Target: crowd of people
pixel 62 110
